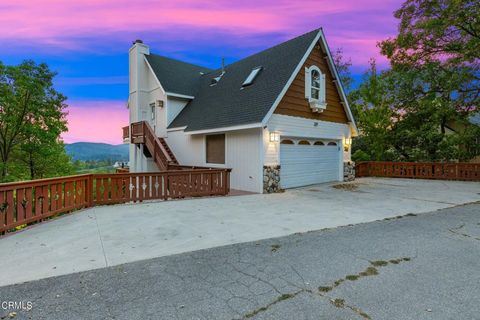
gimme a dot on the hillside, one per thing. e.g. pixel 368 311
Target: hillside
pixel 97 151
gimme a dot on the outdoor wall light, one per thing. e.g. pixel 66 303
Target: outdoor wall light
pixel 347 142
pixel 274 136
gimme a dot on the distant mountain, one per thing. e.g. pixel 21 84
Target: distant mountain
pixel 97 151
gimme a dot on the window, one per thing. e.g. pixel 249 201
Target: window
pixel 319 143
pixel 215 147
pixel 332 143
pixel 304 142
pixel 315 88
pixel 152 110
pixel 286 141
pixel 251 77
pixel 315 85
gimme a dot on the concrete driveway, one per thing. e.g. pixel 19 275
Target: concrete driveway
pixel 113 235
pixel 422 267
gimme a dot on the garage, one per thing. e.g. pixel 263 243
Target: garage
pixel 306 161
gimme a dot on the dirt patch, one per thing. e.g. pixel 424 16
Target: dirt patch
pixel 275 247
pixel 347 186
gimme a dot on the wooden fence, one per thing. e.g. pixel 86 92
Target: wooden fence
pixel 33 201
pixel 419 170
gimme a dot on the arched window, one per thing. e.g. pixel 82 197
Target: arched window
pixel 286 141
pixel 331 143
pixel 315 84
pixel 304 142
pixel 319 143
pixel 315 88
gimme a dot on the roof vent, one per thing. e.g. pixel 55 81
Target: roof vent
pixel 215 80
pixel 251 77
pixel 137 41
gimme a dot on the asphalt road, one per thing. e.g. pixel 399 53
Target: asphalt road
pixel 424 266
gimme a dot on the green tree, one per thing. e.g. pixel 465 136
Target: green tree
pixel 436 78
pixel 447 30
pixel 371 104
pixel 428 98
pixel 343 66
pixel 32 117
pixel 44 160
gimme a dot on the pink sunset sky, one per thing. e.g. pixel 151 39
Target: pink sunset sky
pixel 87 42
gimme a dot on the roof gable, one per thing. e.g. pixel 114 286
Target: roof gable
pixel 294 103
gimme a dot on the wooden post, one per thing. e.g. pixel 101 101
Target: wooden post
pixel 89 190
pixel 165 186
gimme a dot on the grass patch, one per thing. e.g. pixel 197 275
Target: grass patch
pixel 370 271
pixel 325 289
pixel 407 259
pixel 338 282
pixel 339 303
pixel 379 263
pixel 395 261
pixel 254 313
pixel 352 277
pixel 364 315
pixel 284 296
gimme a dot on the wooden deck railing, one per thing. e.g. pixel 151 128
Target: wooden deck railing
pixel 33 201
pixel 419 170
pixel 143 133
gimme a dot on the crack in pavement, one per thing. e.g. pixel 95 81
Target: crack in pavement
pixel 457 231
pixel 322 290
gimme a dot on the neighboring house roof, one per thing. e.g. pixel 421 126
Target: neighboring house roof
pixel 176 76
pixel 475 119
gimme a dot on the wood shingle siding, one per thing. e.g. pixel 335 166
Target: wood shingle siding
pixel 295 104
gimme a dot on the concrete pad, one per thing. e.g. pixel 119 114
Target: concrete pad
pixel 112 235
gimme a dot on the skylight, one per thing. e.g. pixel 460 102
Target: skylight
pixel 251 77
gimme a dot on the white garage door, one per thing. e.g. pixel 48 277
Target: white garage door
pixel 303 165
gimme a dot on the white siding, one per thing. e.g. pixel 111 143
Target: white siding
pixel 188 149
pixel 300 127
pixel 243 155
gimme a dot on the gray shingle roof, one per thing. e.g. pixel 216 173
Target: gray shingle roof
pixel 176 76
pixel 475 118
pixel 226 104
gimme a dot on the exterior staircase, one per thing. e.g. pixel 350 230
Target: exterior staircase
pixel 142 133
pixel 169 151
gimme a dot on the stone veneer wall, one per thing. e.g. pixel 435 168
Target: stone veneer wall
pixel 349 171
pixel 271 179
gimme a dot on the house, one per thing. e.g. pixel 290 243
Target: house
pixel 278 118
pixel 473 122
